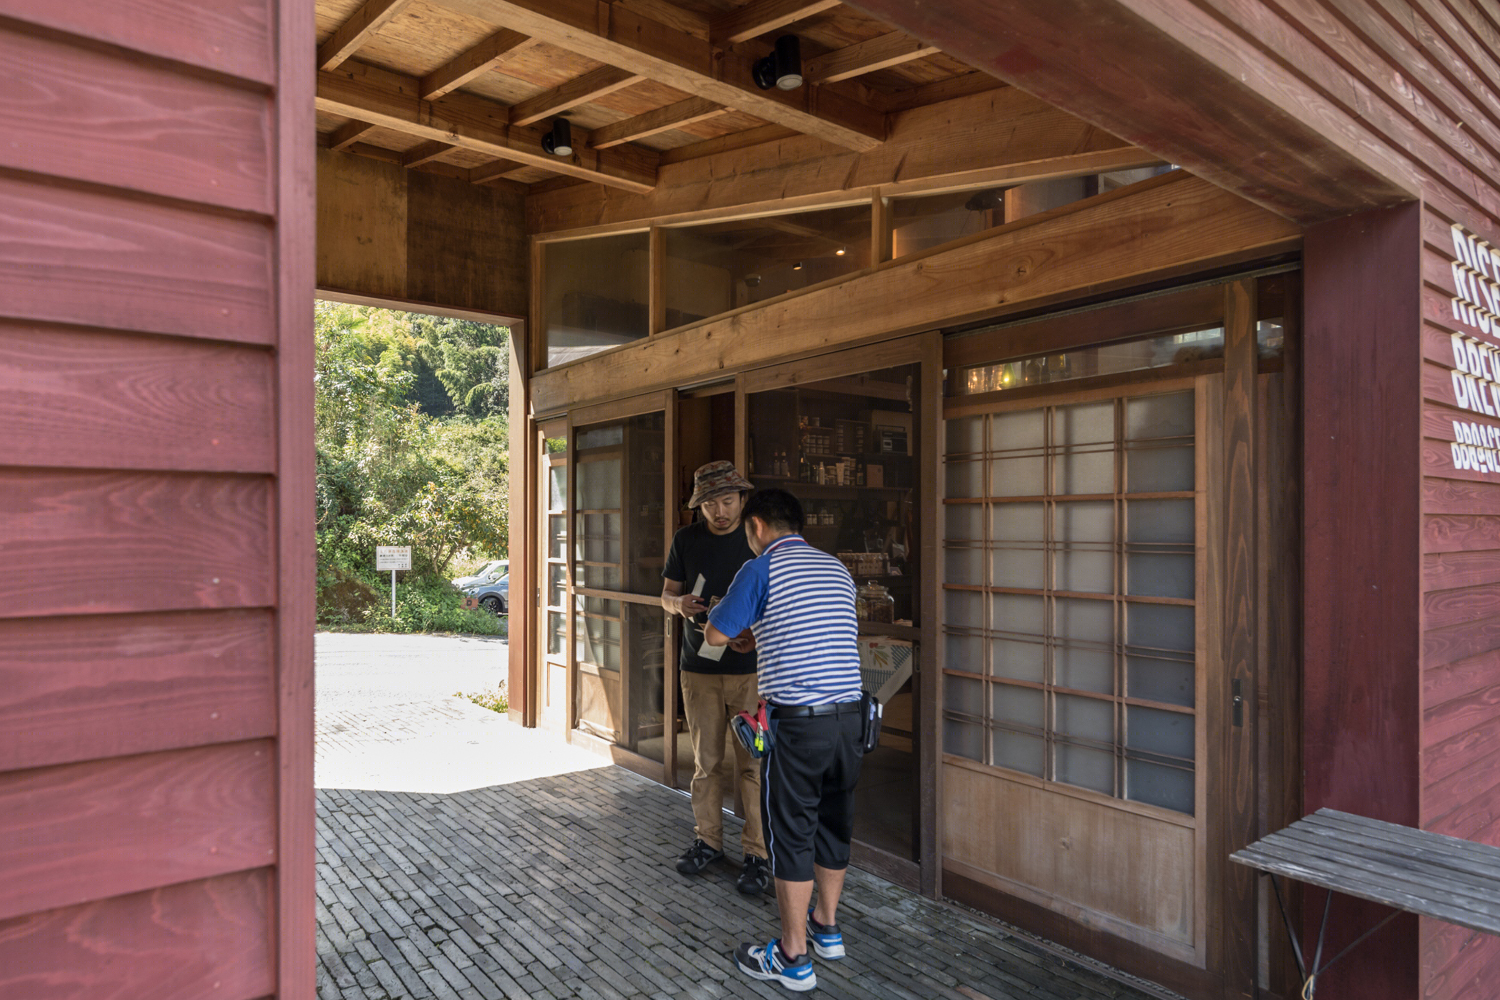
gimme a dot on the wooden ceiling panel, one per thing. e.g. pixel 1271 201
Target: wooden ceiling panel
pixel 421 38
pixel 332 15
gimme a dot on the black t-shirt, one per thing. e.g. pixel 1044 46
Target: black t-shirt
pixel 718 558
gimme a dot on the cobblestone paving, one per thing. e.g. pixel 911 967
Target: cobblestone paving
pixel 562 886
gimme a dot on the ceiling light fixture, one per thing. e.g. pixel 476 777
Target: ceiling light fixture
pixel 559 141
pixel 841 251
pixel 782 68
pixel 797 266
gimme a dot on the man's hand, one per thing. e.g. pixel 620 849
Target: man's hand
pixel 744 642
pixel 678 603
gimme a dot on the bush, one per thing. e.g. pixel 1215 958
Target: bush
pixel 362 602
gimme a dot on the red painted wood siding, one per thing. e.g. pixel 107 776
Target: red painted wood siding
pixel 156 196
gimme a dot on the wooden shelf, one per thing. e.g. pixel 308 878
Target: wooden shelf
pixel 818 491
pixel 908 632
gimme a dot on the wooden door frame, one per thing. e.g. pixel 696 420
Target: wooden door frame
pixel 925 350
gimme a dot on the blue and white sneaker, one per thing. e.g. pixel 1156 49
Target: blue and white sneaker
pixel 768 962
pixel 825 939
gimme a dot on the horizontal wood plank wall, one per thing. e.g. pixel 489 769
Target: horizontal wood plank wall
pixel 156 281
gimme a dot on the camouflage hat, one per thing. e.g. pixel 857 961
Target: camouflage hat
pixel 715 478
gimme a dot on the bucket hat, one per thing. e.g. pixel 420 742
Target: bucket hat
pixel 717 477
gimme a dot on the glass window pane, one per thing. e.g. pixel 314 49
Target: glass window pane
pixel 1017 614
pixel 713 268
pixel 1088 571
pixel 965 435
pixel 1160 679
pixel 1159 785
pixel 1084 521
pixel 963 565
pixel 1016 567
pixel 600 436
pixel 557 536
pixel 963 739
pixel 963 608
pixel 596 293
pixel 963 695
pixel 1160 626
pixel 1160 575
pixel 965 479
pixel 557 580
pixel 965 522
pixel 1017 707
pixel 1159 469
pixel 1080 619
pixel 1086 768
pixel 557 478
pixel 1018 477
pixel 1164 521
pixel 1085 470
pixel 964 652
pixel 1084 668
pixel 1023 429
pixel 599 577
pixel 1153 731
pixel 1088 362
pixel 1018 751
pixel 1083 423
pixel 557 633
pixel 1086 718
pixel 1018 659
pixel 1016 522
pixel 1166 415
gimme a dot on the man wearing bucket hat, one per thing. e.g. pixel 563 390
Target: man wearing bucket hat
pixel 718 683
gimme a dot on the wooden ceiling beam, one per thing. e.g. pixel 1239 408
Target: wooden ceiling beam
pixel 426 153
pixel 625 37
pixel 866 57
pixel 494 170
pixel 369 93
pixel 580 90
pixel 359 29
pixel 348 134
pixel 995 138
pixel 694 109
pixel 1216 108
pixel 473 63
pixel 762 17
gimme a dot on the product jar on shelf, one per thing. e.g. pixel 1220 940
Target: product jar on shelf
pixel 874 603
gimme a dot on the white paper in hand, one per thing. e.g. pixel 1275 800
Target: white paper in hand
pixel 705 651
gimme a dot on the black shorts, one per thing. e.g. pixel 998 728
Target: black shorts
pixel 807 793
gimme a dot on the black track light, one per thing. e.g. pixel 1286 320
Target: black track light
pixel 782 68
pixel 559 141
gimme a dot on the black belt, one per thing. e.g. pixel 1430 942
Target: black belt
pixel 803 711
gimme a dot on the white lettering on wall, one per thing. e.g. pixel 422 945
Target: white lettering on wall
pixel 1476 364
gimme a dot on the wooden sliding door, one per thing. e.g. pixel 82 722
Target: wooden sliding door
pixel 1116 551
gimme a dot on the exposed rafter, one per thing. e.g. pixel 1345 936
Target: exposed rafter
pixel 494 170
pixel 762 17
pixel 580 90
pixel 348 134
pixel 474 62
pixel 425 153
pixel 358 90
pixel 694 109
pixel 624 37
pixel 357 30
pixel 866 57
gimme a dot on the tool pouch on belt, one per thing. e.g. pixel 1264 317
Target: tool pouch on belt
pixel 753 730
pixel 870 712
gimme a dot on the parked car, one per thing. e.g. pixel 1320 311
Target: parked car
pixel 493 595
pixel 488 573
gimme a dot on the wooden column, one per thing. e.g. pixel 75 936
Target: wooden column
pixel 1362 531
pixel 880 230
pixel 657 264
pixel 526 616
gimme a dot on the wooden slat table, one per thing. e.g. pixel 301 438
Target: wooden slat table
pixel 1407 869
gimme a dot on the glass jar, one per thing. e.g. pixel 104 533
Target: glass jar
pixel 873 603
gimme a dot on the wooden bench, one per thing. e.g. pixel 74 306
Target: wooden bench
pixel 1413 871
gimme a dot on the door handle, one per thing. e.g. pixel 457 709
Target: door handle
pixel 1239 704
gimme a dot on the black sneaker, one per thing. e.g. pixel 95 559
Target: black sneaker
pixel 755 877
pixel 769 963
pixel 697 858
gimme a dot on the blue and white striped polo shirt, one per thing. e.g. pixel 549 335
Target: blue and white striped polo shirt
pixel 800 603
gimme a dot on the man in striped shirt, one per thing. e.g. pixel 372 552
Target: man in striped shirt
pixel 799 602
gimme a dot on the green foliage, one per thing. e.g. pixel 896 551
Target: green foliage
pixel 495 701
pixel 391 473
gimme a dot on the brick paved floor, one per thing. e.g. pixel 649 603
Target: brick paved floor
pixel 460 856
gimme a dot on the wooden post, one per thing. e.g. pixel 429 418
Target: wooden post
pixel 927 694
pixel 537 321
pixel 880 230
pixel 657 296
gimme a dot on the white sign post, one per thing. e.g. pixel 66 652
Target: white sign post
pixel 393 557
